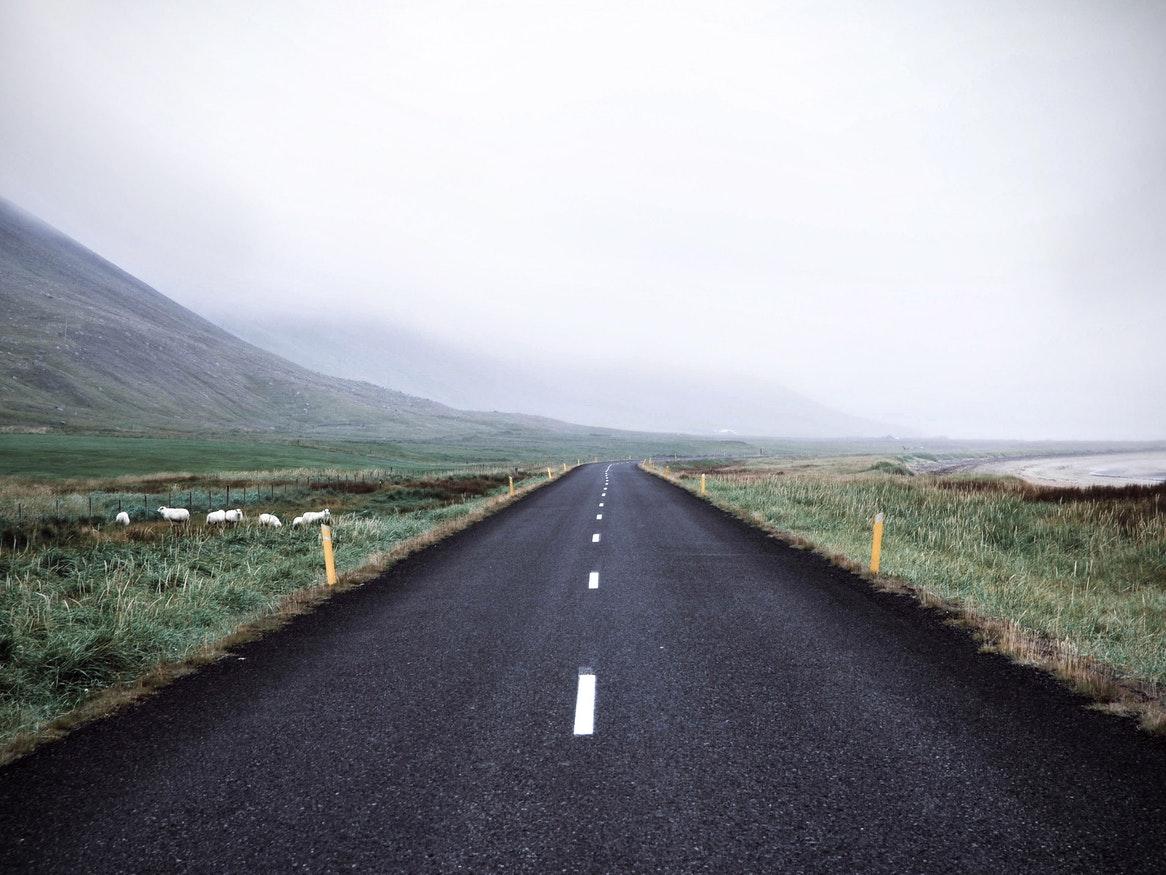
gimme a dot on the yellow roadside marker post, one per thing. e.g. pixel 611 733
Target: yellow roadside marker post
pixel 512 484
pixel 329 561
pixel 703 486
pixel 564 467
pixel 550 476
pixel 876 544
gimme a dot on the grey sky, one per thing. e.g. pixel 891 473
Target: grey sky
pixel 950 216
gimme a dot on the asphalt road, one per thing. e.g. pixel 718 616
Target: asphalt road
pixel 754 709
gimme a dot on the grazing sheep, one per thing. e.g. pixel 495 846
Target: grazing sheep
pixel 322 516
pixel 175 514
pixel 122 519
pixel 235 516
pixel 216 518
pixel 269 519
pixel 297 522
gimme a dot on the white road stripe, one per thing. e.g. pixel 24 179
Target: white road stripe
pixel 585 705
pixel 599 516
pixel 595 538
pixel 593 580
pixel 601 504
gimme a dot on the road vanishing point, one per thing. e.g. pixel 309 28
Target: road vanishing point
pixel 649 685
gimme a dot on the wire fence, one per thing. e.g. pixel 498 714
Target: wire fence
pixel 103 505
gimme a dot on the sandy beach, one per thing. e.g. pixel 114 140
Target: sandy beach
pixel 1102 469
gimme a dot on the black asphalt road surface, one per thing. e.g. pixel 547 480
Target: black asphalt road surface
pixel 756 709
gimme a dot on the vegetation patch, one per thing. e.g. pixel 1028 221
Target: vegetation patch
pixel 1070 579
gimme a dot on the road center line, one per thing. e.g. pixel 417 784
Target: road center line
pixel 585 703
pixel 593 580
pixel 599 516
pixel 595 538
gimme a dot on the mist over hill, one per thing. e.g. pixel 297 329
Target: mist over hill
pixel 639 398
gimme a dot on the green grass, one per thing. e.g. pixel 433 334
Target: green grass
pixel 1085 569
pixel 58 455
pixel 79 456
pixel 85 606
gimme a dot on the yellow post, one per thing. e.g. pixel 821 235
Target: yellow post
pixel 876 544
pixel 550 476
pixel 564 467
pixel 511 484
pixel 703 486
pixel 329 562
pixel 667 470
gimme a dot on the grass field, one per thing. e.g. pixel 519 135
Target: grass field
pixel 74 456
pixel 1081 572
pixel 77 456
pixel 85 604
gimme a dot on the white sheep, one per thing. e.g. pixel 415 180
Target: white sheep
pixel 235 516
pixel 322 516
pixel 175 514
pixel 297 522
pixel 269 519
pixel 216 518
pixel 122 519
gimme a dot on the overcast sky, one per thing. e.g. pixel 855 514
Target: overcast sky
pixel 949 216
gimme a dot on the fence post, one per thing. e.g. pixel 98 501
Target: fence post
pixel 703 485
pixel 329 561
pixel 876 544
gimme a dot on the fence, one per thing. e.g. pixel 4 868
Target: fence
pixel 101 506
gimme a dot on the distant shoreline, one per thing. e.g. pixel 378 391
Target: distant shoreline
pixel 1094 469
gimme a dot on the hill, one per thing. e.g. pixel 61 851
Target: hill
pixel 85 345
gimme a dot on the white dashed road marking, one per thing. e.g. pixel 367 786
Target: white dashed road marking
pixel 585 703
pixel 593 580
pixel 595 538
pixel 599 516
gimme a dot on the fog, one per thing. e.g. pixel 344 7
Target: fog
pixel 948 218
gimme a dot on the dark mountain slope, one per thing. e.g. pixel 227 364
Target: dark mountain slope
pixel 83 344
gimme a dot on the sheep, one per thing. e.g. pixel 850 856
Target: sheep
pixel 175 514
pixel 297 522
pixel 235 516
pixel 216 518
pixel 312 516
pixel 269 519
pixel 122 519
